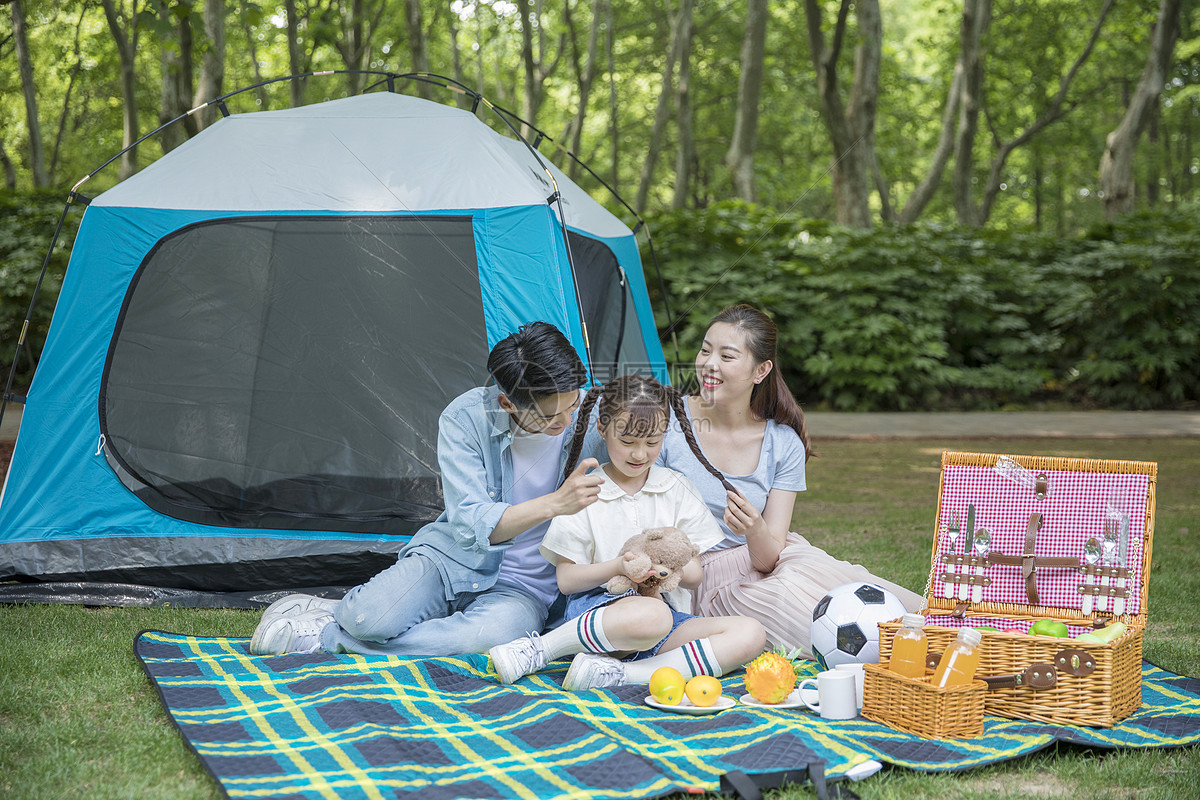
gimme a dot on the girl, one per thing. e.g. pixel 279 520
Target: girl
pixel 624 639
pixel 748 423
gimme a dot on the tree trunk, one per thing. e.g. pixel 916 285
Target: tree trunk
pixel 850 129
pixel 661 115
pixel 212 65
pixel 585 76
pixel 252 43
pixel 945 147
pixel 977 17
pixel 1054 112
pixel 125 36
pixel 37 157
pixel 351 45
pixel 686 153
pixel 76 68
pixel 536 67
pixel 1116 164
pixel 480 76
pixel 418 47
pixel 459 76
pixel 176 95
pixel 1153 176
pixel 297 64
pixel 10 169
pixel 614 127
pixel 740 156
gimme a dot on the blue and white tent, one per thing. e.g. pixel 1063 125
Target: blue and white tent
pixel 256 334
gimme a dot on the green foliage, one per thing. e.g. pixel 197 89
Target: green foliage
pixel 931 316
pixel 1134 307
pixel 27 224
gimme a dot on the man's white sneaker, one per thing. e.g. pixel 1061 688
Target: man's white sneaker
pixel 591 671
pixel 295 604
pixel 518 658
pixel 298 634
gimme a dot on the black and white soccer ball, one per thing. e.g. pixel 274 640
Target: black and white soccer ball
pixel 845 627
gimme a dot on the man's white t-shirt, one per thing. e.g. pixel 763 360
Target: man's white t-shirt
pixel 535 458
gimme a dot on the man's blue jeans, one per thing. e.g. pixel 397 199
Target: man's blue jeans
pixel 404 611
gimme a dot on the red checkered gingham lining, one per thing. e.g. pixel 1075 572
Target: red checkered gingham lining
pixel 999 623
pixel 1072 512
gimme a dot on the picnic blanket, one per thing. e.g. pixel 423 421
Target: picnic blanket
pixel 348 726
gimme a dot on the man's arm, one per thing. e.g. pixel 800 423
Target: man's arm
pixel 578 492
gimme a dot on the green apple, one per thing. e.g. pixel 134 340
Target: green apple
pixel 1049 627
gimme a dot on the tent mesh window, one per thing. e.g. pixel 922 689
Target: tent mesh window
pixel 283 372
pixel 616 338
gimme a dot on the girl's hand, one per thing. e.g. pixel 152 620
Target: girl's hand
pixel 741 516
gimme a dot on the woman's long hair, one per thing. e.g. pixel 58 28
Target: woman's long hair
pixel 770 399
pixel 648 405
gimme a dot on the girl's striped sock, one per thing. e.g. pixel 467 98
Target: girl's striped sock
pixel 584 634
pixel 694 658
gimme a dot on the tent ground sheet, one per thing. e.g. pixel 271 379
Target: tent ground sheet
pixel 348 726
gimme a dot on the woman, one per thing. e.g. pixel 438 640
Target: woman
pixel 750 428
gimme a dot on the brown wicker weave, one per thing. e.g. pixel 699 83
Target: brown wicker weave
pixel 1101 699
pixel 916 706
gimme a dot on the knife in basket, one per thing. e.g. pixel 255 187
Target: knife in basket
pixel 969 544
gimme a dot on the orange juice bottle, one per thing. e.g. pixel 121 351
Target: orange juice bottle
pixel 960 660
pixel 910 647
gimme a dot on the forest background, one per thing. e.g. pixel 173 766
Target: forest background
pixel 944 203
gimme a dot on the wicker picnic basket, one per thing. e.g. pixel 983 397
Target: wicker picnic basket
pixel 1039 513
pixel 917 706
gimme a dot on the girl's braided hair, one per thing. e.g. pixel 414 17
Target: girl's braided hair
pixel 648 405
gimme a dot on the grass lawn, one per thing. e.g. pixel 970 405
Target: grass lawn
pixel 78 719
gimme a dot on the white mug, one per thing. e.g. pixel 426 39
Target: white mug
pixel 836 696
pixel 860 676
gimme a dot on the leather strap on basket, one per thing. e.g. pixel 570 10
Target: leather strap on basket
pixel 1027 558
pixel 1030 563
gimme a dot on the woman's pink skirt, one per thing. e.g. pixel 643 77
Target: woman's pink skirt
pixel 783 599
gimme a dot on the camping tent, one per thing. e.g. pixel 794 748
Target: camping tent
pixel 256 334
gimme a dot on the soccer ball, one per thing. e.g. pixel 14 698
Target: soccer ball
pixel 845 625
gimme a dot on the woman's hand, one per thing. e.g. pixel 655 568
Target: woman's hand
pixel 745 520
pixel 691 574
pixel 741 516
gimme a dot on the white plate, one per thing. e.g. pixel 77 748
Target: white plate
pixel 688 707
pixel 791 701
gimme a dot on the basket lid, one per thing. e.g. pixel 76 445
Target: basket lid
pixel 1039 513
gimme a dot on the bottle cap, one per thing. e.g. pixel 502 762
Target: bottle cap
pixel 912 621
pixel 970 636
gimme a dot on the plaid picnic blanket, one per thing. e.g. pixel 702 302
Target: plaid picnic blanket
pixel 347 726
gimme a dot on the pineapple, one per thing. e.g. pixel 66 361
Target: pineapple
pixel 771 677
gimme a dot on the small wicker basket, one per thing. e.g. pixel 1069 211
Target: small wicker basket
pixel 1112 690
pixel 918 707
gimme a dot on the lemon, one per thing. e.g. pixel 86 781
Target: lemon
pixel 703 690
pixel 666 686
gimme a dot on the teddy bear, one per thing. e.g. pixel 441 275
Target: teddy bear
pixel 666 550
